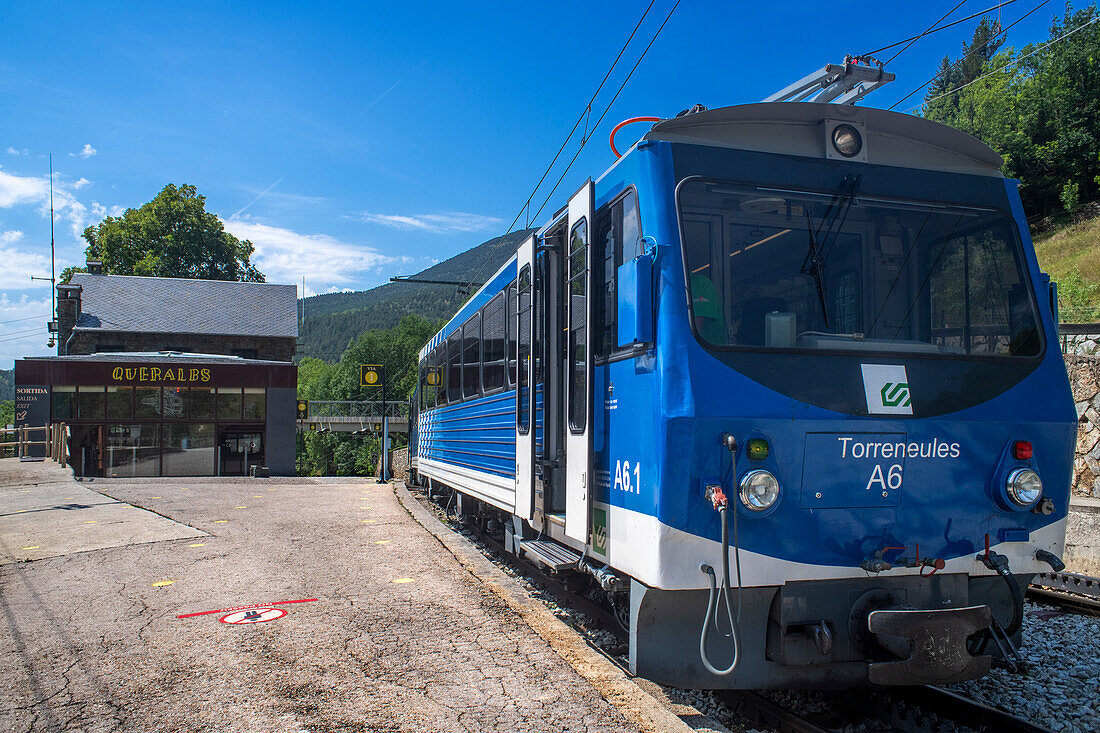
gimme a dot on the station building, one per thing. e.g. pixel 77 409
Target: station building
pixel 169 377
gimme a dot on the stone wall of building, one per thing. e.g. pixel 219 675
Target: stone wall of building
pixel 266 347
pixel 1084 377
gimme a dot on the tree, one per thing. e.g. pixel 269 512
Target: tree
pixel 171 236
pixel 1041 111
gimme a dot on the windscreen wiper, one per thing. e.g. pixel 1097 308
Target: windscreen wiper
pixel 832 222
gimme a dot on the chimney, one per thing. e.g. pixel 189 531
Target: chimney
pixel 68 311
pixel 95 267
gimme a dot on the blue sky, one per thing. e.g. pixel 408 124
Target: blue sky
pixel 354 141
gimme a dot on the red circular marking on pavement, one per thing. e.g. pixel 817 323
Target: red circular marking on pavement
pixel 253 616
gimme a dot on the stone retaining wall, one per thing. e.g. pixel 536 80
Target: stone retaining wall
pixel 1080 344
pixel 1084 377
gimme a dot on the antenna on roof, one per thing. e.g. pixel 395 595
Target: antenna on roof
pixel 53 270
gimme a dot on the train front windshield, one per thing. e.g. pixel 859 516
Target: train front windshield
pixel 842 270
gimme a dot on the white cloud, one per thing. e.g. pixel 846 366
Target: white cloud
pixel 326 262
pixel 443 223
pixel 86 152
pixel 13 151
pixel 27 335
pixel 16 190
pixel 20 264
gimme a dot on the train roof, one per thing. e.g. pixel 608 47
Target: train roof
pixel 796 128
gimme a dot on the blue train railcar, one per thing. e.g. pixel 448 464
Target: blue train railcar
pixel 785 381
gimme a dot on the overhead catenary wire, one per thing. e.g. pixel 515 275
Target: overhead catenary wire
pixel 585 113
pixel 28 318
pixel 928 30
pixel 607 109
pixel 1010 63
pixel 970 53
pixel 940 28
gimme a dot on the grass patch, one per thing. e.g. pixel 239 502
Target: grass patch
pixel 1072 258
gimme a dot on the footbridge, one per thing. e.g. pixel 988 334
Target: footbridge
pixel 353 416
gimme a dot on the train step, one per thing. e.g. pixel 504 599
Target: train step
pixel 550 554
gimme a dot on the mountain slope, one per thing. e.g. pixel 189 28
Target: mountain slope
pixel 332 320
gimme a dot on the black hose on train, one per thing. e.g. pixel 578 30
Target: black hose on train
pixel 721 504
pixel 714 599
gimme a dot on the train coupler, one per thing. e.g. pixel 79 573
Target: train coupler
pixel 931 645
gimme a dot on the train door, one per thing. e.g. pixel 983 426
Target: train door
pixel 578 378
pixel 525 373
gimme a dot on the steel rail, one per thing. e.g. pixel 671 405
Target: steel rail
pixel 955 710
pixel 762 711
pixel 1075 592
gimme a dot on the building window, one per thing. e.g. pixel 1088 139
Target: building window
pixel 120 403
pixel 63 403
pixel 133 450
pixel 255 403
pixel 174 403
pixel 229 403
pixel 202 403
pixel 244 353
pixel 189 449
pixel 90 401
pixel 147 403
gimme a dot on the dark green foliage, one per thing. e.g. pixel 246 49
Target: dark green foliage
pixel 1041 114
pixel 396 348
pixel 333 320
pixel 171 236
pixel 7 384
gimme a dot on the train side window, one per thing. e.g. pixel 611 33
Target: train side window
pixel 454 367
pixel 492 345
pixel 439 360
pixel 578 326
pixel 471 356
pixel 523 382
pixel 618 239
pixel 513 323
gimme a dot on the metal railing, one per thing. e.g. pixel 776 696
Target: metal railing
pixel 357 409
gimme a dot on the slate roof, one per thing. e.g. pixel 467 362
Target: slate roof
pixel 159 357
pixel 173 305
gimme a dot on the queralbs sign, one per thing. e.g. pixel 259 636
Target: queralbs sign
pixel 159 375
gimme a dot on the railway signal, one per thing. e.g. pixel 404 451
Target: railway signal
pixel 303 409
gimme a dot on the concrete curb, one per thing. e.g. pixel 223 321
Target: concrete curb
pixel 638 706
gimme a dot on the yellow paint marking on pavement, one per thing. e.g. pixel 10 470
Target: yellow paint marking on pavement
pixel 70 498
pixel 367 521
pixel 90 521
pixel 22 510
pixel 32 547
pixel 156 497
pixel 198 544
pixel 381 542
pixel 220 521
pixel 242 506
pixel 184 488
pixel 257 496
pixel 161 583
pixel 402 580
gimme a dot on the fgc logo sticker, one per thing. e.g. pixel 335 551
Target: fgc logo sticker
pixel 886 387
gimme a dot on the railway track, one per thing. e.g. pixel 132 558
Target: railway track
pixel 909 710
pixel 1078 593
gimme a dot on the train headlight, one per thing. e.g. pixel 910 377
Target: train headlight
pixel 1024 487
pixel 759 490
pixel 847 140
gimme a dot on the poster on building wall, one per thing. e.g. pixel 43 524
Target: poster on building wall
pixel 32 410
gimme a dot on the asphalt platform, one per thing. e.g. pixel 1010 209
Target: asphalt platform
pixel 275 605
